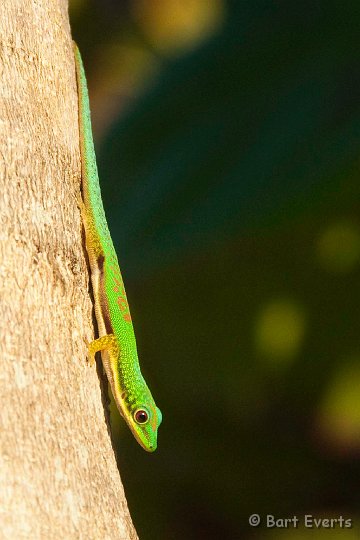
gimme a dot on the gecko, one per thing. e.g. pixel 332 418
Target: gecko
pixel 116 340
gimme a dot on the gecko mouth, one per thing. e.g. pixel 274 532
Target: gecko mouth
pixel 146 446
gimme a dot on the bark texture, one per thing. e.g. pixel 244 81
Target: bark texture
pixel 58 474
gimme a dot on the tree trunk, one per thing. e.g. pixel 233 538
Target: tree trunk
pixel 58 473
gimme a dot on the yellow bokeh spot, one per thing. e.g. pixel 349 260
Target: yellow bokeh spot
pixel 173 26
pixel 130 62
pixel 339 414
pixel 279 330
pixel 338 247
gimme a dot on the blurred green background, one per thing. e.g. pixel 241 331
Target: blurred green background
pixel 228 142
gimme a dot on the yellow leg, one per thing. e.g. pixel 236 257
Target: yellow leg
pixel 108 343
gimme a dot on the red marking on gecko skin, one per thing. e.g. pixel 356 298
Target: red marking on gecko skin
pixel 119 286
pixel 115 269
pixel 122 303
pixel 124 308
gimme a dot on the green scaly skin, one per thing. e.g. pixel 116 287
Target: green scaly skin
pixel 117 339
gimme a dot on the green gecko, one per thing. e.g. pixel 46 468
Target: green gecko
pixel 117 339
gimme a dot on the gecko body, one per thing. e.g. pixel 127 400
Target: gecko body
pixel 116 340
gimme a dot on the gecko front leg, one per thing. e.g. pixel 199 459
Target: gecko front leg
pixel 107 343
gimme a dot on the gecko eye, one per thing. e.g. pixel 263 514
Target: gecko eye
pixel 141 416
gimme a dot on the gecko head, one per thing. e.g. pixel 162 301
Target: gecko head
pixel 144 419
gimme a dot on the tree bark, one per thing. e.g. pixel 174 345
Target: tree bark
pixel 58 473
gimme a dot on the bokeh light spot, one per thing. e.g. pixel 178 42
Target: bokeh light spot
pixel 338 247
pixel 339 412
pixel 174 26
pixel 279 330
